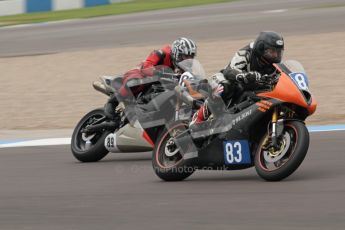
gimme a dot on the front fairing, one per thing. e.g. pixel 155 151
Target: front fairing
pixel 292 86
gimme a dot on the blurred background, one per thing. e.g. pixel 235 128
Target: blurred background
pixel 50 56
pixel 52 50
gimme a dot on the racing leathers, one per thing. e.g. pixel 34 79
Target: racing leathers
pixel 242 73
pixel 161 57
pixel 146 68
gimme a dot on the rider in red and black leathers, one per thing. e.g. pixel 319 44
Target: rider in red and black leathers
pixel 156 58
pixel 159 57
pixel 168 56
pixel 244 71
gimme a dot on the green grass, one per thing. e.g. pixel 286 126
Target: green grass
pixel 113 9
pixel 322 6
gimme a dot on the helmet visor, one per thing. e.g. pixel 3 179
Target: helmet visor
pixel 273 54
pixel 185 57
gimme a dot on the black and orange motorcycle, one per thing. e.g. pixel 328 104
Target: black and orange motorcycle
pixel 265 129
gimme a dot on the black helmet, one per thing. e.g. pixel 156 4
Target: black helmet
pixel 269 47
pixel 183 48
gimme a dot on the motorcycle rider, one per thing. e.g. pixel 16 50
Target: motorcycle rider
pixel 245 70
pixel 168 56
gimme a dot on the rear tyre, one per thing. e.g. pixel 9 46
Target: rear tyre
pixel 275 165
pixel 89 148
pixel 167 161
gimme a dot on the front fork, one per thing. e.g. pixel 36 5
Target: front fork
pixel 277 127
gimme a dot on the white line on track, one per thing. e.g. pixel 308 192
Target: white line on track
pixel 67 140
pixel 275 11
pixel 41 142
pixel 40 24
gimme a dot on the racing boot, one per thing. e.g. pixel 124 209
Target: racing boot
pixel 200 116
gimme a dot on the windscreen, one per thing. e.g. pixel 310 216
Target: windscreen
pixel 294 66
pixel 193 66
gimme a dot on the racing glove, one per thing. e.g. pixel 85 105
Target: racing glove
pixel 249 77
pixel 218 90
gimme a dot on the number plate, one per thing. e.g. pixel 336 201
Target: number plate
pixel 301 80
pixel 236 152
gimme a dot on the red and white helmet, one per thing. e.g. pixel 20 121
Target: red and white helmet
pixel 183 48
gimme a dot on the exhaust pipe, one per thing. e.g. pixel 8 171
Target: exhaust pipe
pixel 99 86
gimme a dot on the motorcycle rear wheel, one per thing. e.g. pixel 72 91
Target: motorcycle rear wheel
pixel 89 148
pixel 167 161
pixel 276 165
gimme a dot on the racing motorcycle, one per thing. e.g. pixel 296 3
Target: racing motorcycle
pixel 265 128
pixel 96 134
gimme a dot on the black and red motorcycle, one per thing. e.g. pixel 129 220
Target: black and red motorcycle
pixel 264 129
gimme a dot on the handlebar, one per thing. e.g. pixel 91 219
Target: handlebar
pixel 269 79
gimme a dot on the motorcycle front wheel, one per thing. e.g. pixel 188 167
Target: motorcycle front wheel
pixel 275 164
pixel 89 147
pixel 167 160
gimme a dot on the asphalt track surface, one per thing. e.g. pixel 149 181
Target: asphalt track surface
pixel 46 188
pixel 242 19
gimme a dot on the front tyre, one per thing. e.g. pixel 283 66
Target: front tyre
pixel 90 147
pixel 167 160
pixel 277 164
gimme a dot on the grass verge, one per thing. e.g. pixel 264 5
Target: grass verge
pixel 325 6
pixel 113 9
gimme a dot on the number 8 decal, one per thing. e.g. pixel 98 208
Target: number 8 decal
pixel 300 79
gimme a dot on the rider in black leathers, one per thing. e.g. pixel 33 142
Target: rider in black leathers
pixel 246 68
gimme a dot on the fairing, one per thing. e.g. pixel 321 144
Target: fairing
pixel 287 90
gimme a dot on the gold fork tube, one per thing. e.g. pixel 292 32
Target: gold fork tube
pixel 275 115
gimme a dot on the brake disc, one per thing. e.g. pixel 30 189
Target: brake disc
pixel 274 156
pixel 167 151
